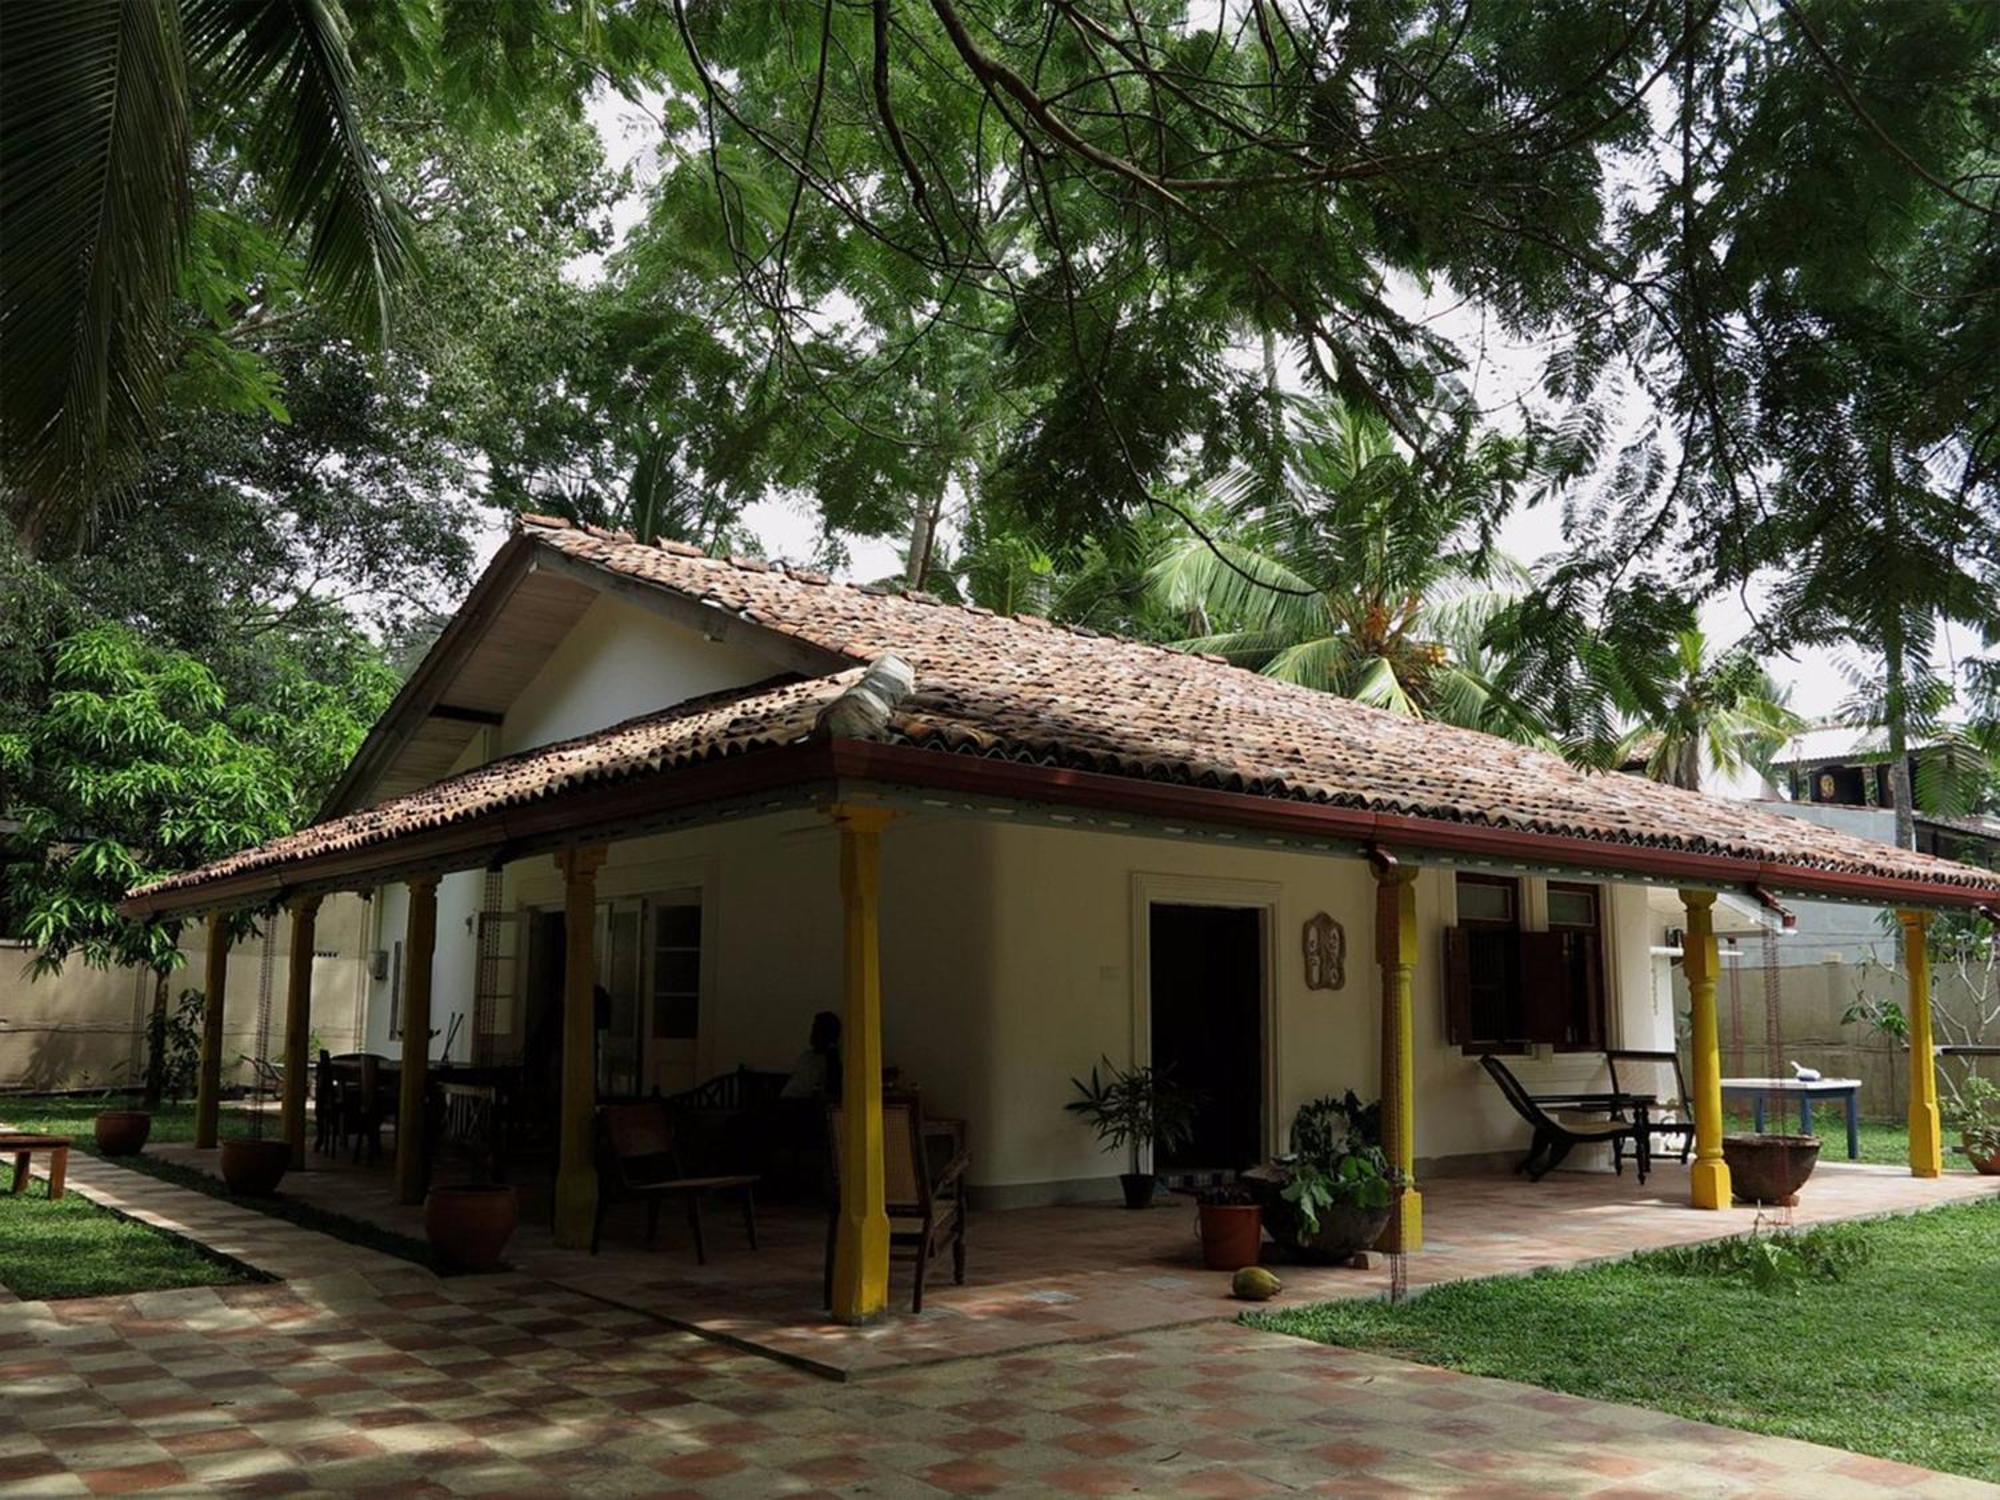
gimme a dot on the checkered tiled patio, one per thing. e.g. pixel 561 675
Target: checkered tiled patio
pixel 1043 1276
pixel 396 1384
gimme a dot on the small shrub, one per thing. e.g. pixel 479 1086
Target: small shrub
pixel 1778 1262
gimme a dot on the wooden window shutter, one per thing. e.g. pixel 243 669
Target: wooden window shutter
pixel 1457 987
pixel 1588 967
pixel 1546 1000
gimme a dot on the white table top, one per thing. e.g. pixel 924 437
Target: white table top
pixel 1792 1085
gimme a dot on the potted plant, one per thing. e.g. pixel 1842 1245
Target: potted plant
pixel 252 1167
pixel 1230 1225
pixel 1974 1113
pixel 469 1224
pixel 1332 1194
pixel 173 1051
pixel 1769 1168
pixel 122 1132
pixel 1142 1107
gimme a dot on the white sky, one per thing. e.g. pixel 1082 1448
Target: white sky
pixel 630 134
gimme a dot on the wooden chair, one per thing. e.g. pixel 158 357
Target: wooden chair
pixel 923 1191
pixel 326 1106
pixel 471 1125
pixel 1555 1138
pixel 638 1158
pixel 1658 1074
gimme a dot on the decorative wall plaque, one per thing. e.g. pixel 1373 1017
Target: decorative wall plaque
pixel 1326 953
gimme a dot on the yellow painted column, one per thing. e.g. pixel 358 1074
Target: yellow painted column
pixel 1709 1177
pixel 576 1171
pixel 1926 1140
pixel 298 1025
pixel 861 1242
pixel 1396 952
pixel 208 1077
pixel 419 944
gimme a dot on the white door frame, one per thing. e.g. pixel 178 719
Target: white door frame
pixel 1150 889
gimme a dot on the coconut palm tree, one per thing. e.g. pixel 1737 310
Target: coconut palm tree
pixel 105 101
pixel 1353 574
pixel 1699 708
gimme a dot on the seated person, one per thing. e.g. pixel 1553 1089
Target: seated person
pixel 816 1075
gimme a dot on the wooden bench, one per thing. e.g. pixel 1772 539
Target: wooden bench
pixel 24 1146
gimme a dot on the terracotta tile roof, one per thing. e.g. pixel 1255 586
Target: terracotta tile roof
pixel 713 727
pixel 1023 689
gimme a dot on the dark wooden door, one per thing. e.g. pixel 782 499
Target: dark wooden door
pixel 1206 970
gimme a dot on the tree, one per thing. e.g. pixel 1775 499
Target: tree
pixel 1355 576
pixel 128 763
pixel 1699 710
pixel 105 104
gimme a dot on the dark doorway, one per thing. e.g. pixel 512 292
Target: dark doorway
pixel 1207 978
pixel 542 1003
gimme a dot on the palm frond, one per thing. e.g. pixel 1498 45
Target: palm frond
pixel 94 211
pixel 290 58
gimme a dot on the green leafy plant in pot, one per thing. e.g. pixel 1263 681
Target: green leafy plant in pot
pixel 1333 1192
pixel 1974 1113
pixel 1132 1109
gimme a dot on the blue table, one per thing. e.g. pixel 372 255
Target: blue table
pixel 1846 1090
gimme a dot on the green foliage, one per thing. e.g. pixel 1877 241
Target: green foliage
pixel 173 1048
pixel 1974 1111
pixel 124 762
pixel 75 1248
pixel 1780 1262
pixel 1324 1128
pixel 1336 1159
pixel 1694 709
pixel 1897 1360
pixel 1359 1178
pixel 1136 1108
pixel 1353 572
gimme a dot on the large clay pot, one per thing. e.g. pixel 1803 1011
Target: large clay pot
pixel 253 1169
pixel 469 1225
pixel 1769 1168
pixel 1230 1234
pixel 1343 1229
pixel 1982 1160
pixel 123 1132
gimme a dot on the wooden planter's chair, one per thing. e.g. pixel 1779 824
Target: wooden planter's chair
pixel 638 1159
pixel 1555 1137
pixel 1658 1074
pixel 924 1196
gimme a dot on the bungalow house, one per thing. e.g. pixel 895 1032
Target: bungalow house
pixel 687 802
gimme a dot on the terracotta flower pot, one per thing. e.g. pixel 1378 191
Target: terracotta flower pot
pixel 1230 1234
pixel 1982 1160
pixel 1769 1168
pixel 469 1226
pixel 123 1132
pixel 253 1169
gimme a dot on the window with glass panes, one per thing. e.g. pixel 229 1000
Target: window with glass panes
pixel 677 971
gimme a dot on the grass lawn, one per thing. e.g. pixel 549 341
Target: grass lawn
pixel 77 1249
pixel 75 1116
pixel 175 1122
pixel 1899 1357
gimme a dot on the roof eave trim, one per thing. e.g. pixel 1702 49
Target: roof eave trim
pixel 943 770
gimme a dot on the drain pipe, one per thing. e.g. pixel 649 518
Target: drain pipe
pixel 1787 918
